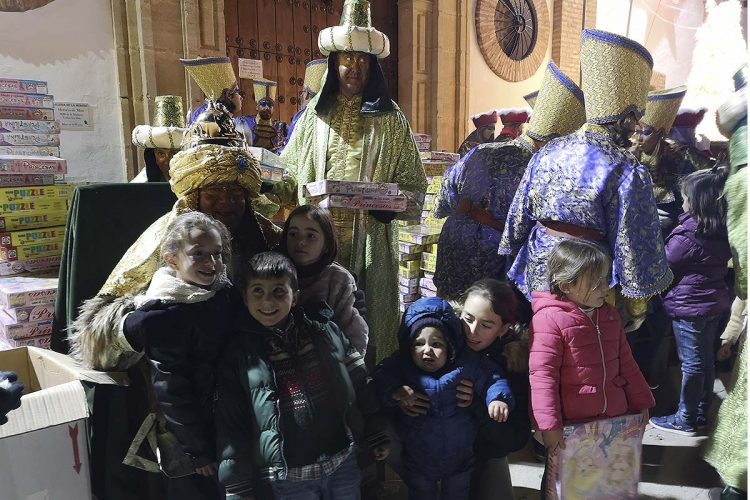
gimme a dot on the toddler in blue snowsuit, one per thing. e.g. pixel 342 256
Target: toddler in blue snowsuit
pixel 437 435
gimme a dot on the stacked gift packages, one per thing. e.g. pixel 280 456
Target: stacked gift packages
pixel 356 195
pixel 26 308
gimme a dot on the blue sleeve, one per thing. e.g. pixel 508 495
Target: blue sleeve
pixel 491 383
pixel 518 223
pixel 450 190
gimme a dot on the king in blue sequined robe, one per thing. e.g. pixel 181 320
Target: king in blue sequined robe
pixel 467 250
pixel 587 180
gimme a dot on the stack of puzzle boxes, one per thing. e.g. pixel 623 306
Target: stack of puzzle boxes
pixel 414 242
pixel 27 305
pixel 33 200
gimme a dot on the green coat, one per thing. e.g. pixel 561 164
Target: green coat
pixel 389 154
pixel 249 441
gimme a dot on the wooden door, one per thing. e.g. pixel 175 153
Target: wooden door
pixel 284 34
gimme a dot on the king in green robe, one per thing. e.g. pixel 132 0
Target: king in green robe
pixel 353 131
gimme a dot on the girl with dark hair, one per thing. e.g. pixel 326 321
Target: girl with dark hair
pixel 309 239
pixel 488 312
pixel 697 252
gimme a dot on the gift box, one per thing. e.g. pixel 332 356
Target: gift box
pixel 411 264
pixel 434 168
pixel 15 180
pixel 27 139
pixel 41 342
pixel 14 113
pixel 427 283
pixel 362 202
pixel 429 275
pixel 32 165
pixel 440 156
pixel 35 251
pixel 22 206
pixel 42 312
pixel 412 283
pixel 408 298
pixel 59 192
pixel 27 100
pixel 328 187
pixel 266 157
pixel 411 248
pixel 29 266
pixel 33 236
pixel 23 86
pixel 428 262
pixel 406 290
pixel 269 173
pixel 433 184
pixel 432 222
pixel 30 150
pixel 30 126
pixel 418 235
pixel 404 272
pixel 27 292
pixel 406 257
pixel 21 221
pixel 426 292
pixel 9 329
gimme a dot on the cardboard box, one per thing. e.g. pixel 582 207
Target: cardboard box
pixel 26 139
pixel 12 180
pixel 432 222
pixel 327 187
pixel 42 342
pixel 405 290
pixel 14 207
pixel 428 262
pixel 404 272
pixel 32 219
pixel 27 292
pixel 35 251
pixel 33 193
pixel 269 173
pixel 409 247
pixel 29 266
pixel 408 282
pixel 33 165
pixel 30 150
pixel 411 264
pixel 14 113
pixel 418 235
pixel 23 86
pixel 30 126
pixel 408 299
pixel 42 312
pixel 427 283
pixel 406 257
pixel 435 168
pixel 429 275
pixel 266 157
pixel 362 202
pixel 33 236
pixel 26 100
pixel 433 186
pixel 10 330
pixel 43 447
pixel 440 156
pixel 426 292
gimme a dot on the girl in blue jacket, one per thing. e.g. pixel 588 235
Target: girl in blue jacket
pixel 432 359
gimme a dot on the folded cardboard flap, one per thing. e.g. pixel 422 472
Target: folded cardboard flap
pixel 53 406
pixel 53 392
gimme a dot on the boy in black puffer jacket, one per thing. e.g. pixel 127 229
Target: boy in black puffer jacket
pixel 293 397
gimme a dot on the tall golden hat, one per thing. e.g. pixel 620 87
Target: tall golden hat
pixel 314 72
pixel 212 74
pixel 531 98
pixel 615 76
pixel 355 33
pixel 265 89
pixel 662 108
pixel 558 109
pixel 167 128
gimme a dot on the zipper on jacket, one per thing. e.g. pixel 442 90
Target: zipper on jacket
pixel 278 423
pixel 601 351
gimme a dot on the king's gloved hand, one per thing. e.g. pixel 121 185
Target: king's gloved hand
pixel 10 394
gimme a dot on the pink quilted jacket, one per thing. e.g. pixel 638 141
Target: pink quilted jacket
pixel 579 372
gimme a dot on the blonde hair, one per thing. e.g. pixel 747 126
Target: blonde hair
pixel 571 260
pixel 179 229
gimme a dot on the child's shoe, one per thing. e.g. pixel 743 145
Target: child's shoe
pixel 674 424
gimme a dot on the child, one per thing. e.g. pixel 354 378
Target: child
pixel 309 239
pixel 183 321
pixel 580 365
pixel 697 252
pixel 488 310
pixel 293 397
pixel 432 359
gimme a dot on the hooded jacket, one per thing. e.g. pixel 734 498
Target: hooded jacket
pixel 700 266
pixel 581 368
pixel 441 442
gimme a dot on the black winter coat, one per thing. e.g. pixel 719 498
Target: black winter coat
pixel 183 343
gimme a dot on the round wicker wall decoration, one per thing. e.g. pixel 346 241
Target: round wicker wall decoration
pixel 21 5
pixel 513 36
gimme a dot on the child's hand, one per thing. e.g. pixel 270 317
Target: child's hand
pixel 381 452
pixel 411 402
pixel 209 470
pixel 465 393
pixel 498 411
pixel 553 440
pixel 724 351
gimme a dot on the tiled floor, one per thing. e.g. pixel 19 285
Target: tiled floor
pixel 672 465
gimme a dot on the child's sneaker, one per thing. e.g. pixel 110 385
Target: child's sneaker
pixel 673 423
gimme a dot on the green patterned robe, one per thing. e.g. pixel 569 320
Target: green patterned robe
pixel 389 154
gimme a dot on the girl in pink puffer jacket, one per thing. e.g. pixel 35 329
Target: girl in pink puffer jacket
pixel 580 365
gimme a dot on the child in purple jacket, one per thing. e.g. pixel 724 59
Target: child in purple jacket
pixel 698 254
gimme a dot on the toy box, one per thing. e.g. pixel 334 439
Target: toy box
pixel 34 193
pixel 32 165
pixel 34 251
pixel 30 126
pixel 42 312
pixel 9 329
pixel 23 86
pixel 327 187
pixel 29 266
pixel 34 219
pixel 418 235
pixel 362 202
pixel 440 156
pixel 30 150
pixel 40 342
pixel 14 180
pixel 33 236
pixel 27 100
pixel 14 113
pixel 27 139
pixel 27 292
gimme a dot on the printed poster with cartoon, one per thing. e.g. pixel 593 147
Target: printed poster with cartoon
pixel 601 460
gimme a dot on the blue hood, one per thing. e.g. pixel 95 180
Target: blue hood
pixel 442 312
